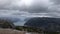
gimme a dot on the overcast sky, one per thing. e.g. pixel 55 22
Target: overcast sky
pixel 30 8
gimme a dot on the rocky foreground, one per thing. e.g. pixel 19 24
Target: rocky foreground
pixel 10 31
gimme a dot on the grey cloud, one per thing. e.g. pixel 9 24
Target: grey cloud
pixel 36 6
pixel 55 5
pixel 37 9
pixel 8 4
pixel 56 1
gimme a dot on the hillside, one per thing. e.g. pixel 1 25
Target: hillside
pixel 45 23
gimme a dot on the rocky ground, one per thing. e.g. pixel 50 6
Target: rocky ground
pixel 10 31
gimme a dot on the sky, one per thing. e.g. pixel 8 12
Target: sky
pixel 29 8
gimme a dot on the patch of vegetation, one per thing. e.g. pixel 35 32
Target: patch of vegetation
pixel 29 29
pixel 32 29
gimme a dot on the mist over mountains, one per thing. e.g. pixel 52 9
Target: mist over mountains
pixel 10 18
pixel 17 21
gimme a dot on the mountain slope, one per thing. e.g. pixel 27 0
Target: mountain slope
pixel 46 23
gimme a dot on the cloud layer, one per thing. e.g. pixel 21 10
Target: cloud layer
pixel 30 8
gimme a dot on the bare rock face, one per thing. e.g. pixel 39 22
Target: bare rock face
pixel 46 23
pixel 10 31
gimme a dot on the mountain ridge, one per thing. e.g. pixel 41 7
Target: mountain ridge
pixel 46 23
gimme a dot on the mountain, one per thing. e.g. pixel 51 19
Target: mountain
pixel 45 23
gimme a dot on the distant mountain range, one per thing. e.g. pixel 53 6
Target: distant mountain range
pixel 45 23
pixel 11 19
